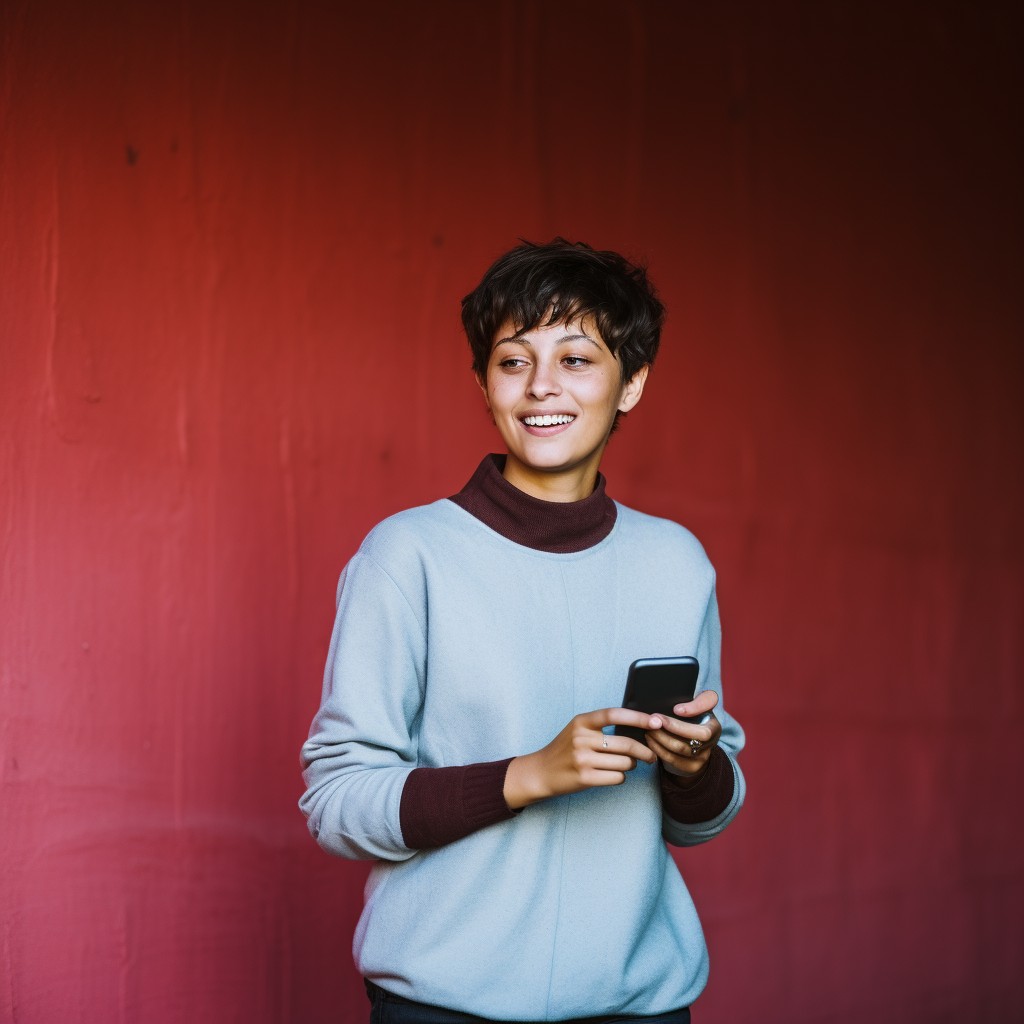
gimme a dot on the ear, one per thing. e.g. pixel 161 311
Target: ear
pixel 634 388
pixel 481 383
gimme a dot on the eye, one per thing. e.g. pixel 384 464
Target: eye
pixel 512 362
pixel 576 361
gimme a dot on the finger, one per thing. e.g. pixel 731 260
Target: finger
pixel 624 746
pixel 596 777
pixel 679 764
pixel 588 738
pixel 615 716
pixel 706 733
pixel 595 721
pixel 701 704
pixel 615 744
pixel 614 762
pixel 684 746
pixel 663 752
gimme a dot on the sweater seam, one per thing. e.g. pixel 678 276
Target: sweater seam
pixel 568 802
pixel 558 908
pixel 391 579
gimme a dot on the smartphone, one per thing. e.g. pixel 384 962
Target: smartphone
pixel 657 685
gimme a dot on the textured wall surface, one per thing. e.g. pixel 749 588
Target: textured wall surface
pixel 232 243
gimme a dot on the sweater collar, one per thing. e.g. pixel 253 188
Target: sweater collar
pixel 558 527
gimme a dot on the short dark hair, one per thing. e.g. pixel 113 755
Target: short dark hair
pixel 563 281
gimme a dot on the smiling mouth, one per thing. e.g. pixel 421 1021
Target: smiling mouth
pixel 548 421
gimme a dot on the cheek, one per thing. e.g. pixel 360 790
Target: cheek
pixel 498 395
pixel 606 392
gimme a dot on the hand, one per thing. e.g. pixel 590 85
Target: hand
pixel 670 738
pixel 579 757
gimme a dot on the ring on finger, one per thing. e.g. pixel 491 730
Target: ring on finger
pixel 695 746
pixel 605 744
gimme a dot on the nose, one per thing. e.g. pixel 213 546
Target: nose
pixel 544 380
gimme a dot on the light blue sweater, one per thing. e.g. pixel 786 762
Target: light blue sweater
pixel 454 645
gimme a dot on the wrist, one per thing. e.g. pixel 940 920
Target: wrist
pixel 522 783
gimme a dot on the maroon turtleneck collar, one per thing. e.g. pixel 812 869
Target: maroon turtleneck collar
pixel 559 527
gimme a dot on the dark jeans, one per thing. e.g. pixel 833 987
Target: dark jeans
pixel 391 1009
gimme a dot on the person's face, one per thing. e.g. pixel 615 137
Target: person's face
pixel 553 393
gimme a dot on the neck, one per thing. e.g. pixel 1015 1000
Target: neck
pixel 564 485
pixel 558 527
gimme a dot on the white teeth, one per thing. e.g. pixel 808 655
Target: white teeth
pixel 547 421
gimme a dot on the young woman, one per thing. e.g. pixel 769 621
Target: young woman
pixel 466 742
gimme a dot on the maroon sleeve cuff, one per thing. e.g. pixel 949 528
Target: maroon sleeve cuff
pixel 440 805
pixel 706 798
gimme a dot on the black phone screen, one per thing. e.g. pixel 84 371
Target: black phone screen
pixel 657 685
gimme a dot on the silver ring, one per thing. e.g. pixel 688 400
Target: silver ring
pixel 606 743
pixel 695 746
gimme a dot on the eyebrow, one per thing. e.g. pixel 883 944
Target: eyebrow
pixel 518 339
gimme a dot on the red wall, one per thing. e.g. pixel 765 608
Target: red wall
pixel 232 243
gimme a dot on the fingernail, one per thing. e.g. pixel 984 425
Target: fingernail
pixel 655 722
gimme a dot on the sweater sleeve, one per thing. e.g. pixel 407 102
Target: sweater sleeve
pixel 366 798
pixel 362 745
pixel 441 805
pixel 694 815
pixel 705 799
